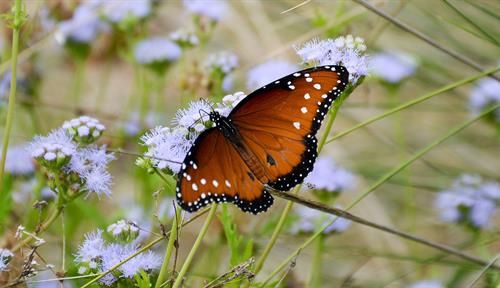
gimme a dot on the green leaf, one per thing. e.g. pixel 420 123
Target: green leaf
pixel 142 280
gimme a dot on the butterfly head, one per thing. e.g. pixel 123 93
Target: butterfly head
pixel 215 117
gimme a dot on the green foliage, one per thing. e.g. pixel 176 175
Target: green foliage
pixel 142 280
pixel 240 249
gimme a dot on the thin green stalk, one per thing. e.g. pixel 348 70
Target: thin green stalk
pixel 416 101
pixel 289 205
pixel 78 82
pixel 170 247
pixel 16 26
pixel 143 249
pixel 381 181
pixel 196 245
pixel 316 265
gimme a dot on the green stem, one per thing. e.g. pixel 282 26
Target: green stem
pixel 18 14
pixel 196 245
pixel 416 101
pixel 289 205
pixel 78 84
pixel 377 184
pixel 316 265
pixel 170 247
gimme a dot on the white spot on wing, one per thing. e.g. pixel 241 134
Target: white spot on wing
pixel 307 96
pixel 317 86
pixel 215 183
pixel 296 125
pixel 228 184
pixel 195 187
pixel 203 181
pixel 303 110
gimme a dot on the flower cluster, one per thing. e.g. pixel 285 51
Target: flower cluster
pixel 5 257
pixel 185 38
pixel 426 284
pixel 167 147
pixel 222 62
pixel 83 27
pixel 18 161
pixel 123 230
pixel 65 152
pixel 393 66
pixel 470 200
pixel 213 10
pixel 95 255
pixel 118 11
pixel 310 220
pixel 84 129
pixel 269 71
pixel 484 94
pixel 156 50
pixel 328 176
pixel 347 51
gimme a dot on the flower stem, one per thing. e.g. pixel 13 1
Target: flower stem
pixel 289 205
pixel 17 23
pixel 170 247
pixel 316 265
pixel 78 82
pixel 196 245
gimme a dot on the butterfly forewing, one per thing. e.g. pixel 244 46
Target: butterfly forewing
pixel 213 171
pixel 278 122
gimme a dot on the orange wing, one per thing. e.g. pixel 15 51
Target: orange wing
pixel 213 171
pixel 278 122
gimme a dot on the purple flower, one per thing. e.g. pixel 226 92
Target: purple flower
pixel 83 27
pixel 267 72
pixel 347 51
pixel 53 151
pixel 5 256
pixel 19 161
pixel 212 9
pixel 223 61
pixel 311 220
pixel 393 66
pixel 485 93
pixel 156 50
pixel 327 175
pixel 427 284
pixel 117 11
pixel 469 200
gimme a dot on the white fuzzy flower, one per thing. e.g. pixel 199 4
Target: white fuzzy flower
pixel 54 150
pixel 347 51
pixel 197 111
pixel 156 50
pixel 5 257
pixel 213 9
pixel 19 161
pixel 98 181
pixel 393 66
pixel 92 248
pixel 311 220
pixel 124 230
pixel 485 93
pixel 328 176
pixel 268 72
pixel 223 61
pixel 117 11
pixel 84 129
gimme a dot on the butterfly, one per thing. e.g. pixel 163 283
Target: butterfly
pixel 266 142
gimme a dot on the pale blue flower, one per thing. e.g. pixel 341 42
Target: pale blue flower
pixel 54 150
pixel 92 248
pixel 84 129
pixel 196 112
pixel 5 256
pixel 327 175
pixel 393 66
pixel 347 51
pixel 223 61
pixel 117 11
pixel 213 9
pixel 185 38
pixel 83 27
pixel 268 72
pixel 311 220
pixel 426 284
pixel 469 200
pixel 19 161
pixel 156 49
pixel 485 93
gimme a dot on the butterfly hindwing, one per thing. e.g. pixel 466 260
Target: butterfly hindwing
pixel 213 171
pixel 279 121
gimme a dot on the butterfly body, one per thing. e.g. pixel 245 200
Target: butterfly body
pixel 267 141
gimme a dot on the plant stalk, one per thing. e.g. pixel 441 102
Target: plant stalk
pixel 170 247
pixel 18 14
pixel 196 245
